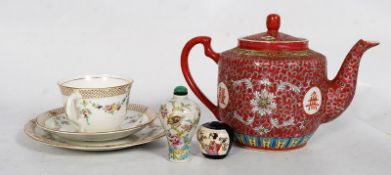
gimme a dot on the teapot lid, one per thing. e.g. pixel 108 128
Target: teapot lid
pixel 273 39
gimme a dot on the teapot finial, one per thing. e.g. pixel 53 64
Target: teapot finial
pixel 273 24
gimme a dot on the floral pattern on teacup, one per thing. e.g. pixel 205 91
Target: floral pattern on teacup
pixel 85 111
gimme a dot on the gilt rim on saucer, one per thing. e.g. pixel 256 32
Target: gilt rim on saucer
pixel 134 107
pixel 29 130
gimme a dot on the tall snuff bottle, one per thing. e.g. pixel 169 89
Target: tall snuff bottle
pixel 179 117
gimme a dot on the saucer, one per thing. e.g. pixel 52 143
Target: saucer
pixel 150 133
pixel 55 122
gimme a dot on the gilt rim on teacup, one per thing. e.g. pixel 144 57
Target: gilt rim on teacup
pixel 89 76
pixel 96 92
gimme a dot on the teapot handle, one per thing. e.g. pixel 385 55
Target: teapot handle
pixel 205 41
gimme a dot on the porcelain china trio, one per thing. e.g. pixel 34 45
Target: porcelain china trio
pixel 96 116
pixel 273 90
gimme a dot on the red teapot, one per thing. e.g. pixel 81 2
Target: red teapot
pixel 273 90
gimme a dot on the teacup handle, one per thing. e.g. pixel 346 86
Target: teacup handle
pixel 73 111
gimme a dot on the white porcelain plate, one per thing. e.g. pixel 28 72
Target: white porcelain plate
pixel 55 122
pixel 150 133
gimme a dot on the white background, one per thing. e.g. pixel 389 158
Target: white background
pixel 43 41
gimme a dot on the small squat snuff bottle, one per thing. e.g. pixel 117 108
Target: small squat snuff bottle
pixel 179 117
pixel 215 139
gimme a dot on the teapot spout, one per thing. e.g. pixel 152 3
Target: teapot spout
pixel 342 88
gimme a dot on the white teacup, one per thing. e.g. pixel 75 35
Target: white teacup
pixel 96 103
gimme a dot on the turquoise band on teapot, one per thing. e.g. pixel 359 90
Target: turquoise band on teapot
pixel 271 143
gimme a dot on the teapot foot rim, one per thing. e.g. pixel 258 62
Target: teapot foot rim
pixel 264 149
pixel 271 143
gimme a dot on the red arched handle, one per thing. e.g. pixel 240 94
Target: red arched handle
pixel 205 41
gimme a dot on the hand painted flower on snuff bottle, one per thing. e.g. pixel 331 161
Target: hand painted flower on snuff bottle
pixel 179 117
pixel 273 90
